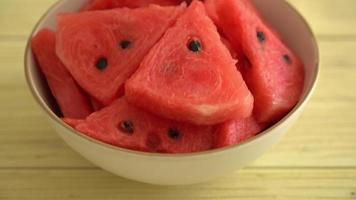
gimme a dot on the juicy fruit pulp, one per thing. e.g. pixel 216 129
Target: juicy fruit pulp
pixel 189 75
pixel 187 95
pixel 70 98
pixel 124 125
pixel 101 49
pixel 273 72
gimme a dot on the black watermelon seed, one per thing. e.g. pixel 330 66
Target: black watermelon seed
pixel 127 126
pixel 125 44
pixel 101 63
pixel 261 36
pixel 287 59
pixel 194 46
pixel 173 134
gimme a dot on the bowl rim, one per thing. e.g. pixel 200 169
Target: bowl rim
pixel 54 117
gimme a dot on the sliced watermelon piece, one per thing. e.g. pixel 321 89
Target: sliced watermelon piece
pixel 101 49
pixel 72 101
pixel 190 75
pixel 110 4
pixel 236 131
pixel 273 72
pixel 124 125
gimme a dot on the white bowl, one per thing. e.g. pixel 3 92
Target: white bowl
pixel 183 168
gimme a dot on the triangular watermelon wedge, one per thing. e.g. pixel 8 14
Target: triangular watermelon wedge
pixel 272 71
pixel 190 75
pixel 101 49
pixel 124 125
pixel 110 4
pixel 71 99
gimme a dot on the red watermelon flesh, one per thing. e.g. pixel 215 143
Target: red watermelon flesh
pixel 101 49
pixel 210 7
pixel 71 99
pixel 73 122
pixel 96 104
pixel 110 4
pixel 236 53
pixel 189 75
pixel 236 131
pixel 235 49
pixel 124 125
pixel 275 74
pixel 233 53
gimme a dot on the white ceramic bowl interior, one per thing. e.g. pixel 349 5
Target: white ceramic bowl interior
pixel 184 168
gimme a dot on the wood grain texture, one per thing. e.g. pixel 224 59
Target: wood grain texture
pixel 315 160
pixel 90 184
pixel 329 18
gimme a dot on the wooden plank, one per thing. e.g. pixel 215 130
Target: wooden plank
pixel 324 136
pixel 26 13
pixel 327 18
pixel 291 184
pixel 25 136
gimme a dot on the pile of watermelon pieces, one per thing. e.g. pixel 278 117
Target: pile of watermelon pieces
pixel 168 76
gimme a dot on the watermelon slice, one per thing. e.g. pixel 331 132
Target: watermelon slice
pixel 236 131
pixel 101 49
pixel 272 71
pixel 190 75
pixel 70 98
pixel 123 125
pixel 110 4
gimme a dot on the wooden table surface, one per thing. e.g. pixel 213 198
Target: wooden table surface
pixel 315 160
